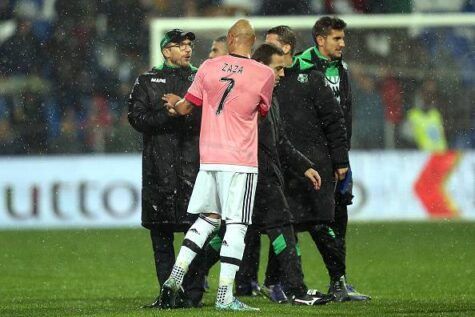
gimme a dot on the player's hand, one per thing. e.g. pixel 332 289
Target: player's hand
pixel 341 173
pixel 314 178
pixel 171 110
pixel 171 99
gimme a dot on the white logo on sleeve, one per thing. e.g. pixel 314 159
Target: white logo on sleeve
pixel 158 80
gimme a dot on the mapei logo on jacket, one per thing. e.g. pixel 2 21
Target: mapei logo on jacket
pixel 303 78
pixel 159 80
pixel 191 77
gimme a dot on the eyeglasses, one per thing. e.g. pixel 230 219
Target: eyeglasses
pixel 182 46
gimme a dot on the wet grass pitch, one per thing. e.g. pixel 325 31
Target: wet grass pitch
pixel 410 269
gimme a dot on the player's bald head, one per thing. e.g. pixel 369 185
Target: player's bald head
pixel 241 34
pixel 242 27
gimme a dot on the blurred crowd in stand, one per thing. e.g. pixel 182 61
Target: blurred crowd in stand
pixel 66 68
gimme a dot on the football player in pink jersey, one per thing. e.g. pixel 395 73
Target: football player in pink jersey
pixel 232 90
pixel 272 215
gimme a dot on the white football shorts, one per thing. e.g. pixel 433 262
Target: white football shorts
pixel 230 194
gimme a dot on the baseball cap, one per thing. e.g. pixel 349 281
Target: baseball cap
pixel 176 36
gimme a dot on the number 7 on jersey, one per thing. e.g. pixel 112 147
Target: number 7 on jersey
pixel 226 93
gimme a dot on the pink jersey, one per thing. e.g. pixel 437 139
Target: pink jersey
pixel 231 89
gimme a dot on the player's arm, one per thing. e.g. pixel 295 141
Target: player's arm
pixel 183 107
pixel 333 125
pixel 293 157
pixel 194 96
pixel 348 114
pixel 176 105
pixel 266 95
pixel 142 115
pixel 299 162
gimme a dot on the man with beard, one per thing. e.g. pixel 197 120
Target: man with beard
pixel 328 207
pixel 170 149
pixel 326 57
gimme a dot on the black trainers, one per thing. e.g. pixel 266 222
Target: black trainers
pixel 252 289
pixel 275 293
pixel 183 301
pixel 345 293
pixel 314 292
pixel 312 300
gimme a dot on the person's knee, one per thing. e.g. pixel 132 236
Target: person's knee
pixel 320 229
pixel 212 215
pixel 211 218
pixel 162 241
pixel 238 230
pixel 233 242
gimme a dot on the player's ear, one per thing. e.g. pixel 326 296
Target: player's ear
pixel 229 40
pixel 166 52
pixel 320 40
pixel 286 48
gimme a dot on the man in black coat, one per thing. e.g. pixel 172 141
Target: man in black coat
pixel 326 57
pixel 170 159
pixel 331 205
pixel 315 125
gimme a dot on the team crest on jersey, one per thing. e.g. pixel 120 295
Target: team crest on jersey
pixel 191 77
pixel 303 78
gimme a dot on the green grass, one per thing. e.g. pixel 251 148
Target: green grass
pixel 410 269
